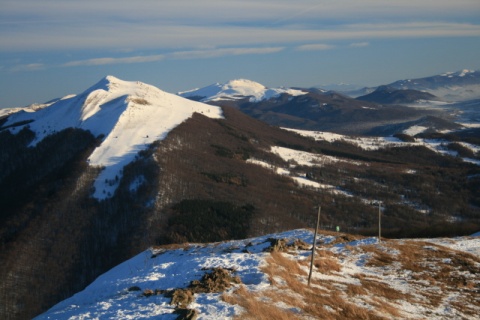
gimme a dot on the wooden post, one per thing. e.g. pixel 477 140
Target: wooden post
pixel 314 246
pixel 379 221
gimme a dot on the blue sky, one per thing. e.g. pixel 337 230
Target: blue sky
pixel 51 48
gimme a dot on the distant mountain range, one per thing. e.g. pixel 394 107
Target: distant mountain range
pixel 451 86
pixel 317 109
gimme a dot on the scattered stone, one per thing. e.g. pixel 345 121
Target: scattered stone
pixel 277 245
pixel 148 292
pixel 302 245
pixel 134 288
pixel 186 314
pixel 218 280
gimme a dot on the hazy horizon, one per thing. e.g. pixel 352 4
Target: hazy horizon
pixel 53 48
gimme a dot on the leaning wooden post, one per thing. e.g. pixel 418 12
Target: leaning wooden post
pixel 314 246
pixel 379 221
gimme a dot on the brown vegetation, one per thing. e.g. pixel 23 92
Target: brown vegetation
pixel 290 290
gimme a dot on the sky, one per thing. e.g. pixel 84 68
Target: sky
pixel 51 48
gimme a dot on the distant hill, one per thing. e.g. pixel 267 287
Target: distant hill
pixel 390 95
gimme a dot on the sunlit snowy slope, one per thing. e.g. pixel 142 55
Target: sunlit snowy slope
pixel 353 278
pixel 238 89
pixel 130 116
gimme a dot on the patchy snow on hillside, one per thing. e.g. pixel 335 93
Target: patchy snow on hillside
pixel 300 180
pixel 376 143
pixel 239 89
pixel 304 158
pixel 366 143
pixel 131 116
pixel 352 277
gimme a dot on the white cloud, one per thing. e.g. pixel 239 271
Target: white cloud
pixel 28 67
pixel 188 54
pixel 314 47
pixel 214 53
pixel 169 37
pixel 104 61
pixel 359 44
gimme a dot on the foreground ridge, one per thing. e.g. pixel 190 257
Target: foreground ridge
pixel 354 278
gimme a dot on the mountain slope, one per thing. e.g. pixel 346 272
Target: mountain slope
pixel 130 116
pixel 353 278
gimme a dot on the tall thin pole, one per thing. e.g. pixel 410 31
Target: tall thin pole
pixel 379 221
pixel 314 246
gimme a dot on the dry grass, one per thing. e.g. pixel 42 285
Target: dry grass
pixel 381 289
pixel 385 307
pixel 290 265
pixel 325 262
pixel 355 290
pixel 379 257
pixel 323 300
pixel 256 308
pixel 327 265
pixel 430 273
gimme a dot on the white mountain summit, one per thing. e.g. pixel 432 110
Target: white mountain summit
pixel 131 116
pixel 238 89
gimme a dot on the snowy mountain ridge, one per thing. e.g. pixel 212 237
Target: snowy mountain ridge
pixel 130 116
pixel 238 89
pixel 353 278
pixel 461 73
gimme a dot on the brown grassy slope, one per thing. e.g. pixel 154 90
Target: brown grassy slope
pixel 392 280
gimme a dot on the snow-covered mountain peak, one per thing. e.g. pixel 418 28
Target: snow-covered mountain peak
pixel 238 89
pixel 130 114
pixel 244 84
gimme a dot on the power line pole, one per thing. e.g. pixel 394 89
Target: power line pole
pixel 314 246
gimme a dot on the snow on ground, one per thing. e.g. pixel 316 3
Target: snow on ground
pixel 239 89
pixel 303 158
pixel 131 116
pixel 366 143
pixel 414 130
pixel 375 143
pixel 363 274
